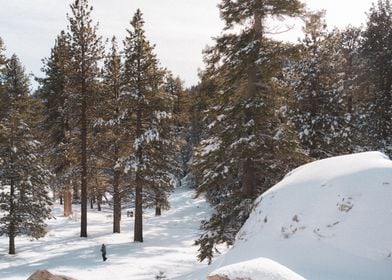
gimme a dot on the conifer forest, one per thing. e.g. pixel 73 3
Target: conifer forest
pixel 110 129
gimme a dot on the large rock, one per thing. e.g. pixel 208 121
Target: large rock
pixel 46 275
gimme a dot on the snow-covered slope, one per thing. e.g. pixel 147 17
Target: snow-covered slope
pixel 326 220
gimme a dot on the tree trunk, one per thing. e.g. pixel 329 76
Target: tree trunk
pixel 99 202
pixel 11 227
pixel 116 202
pixel 138 228
pixel 67 203
pixel 248 165
pixel 11 249
pixel 83 216
pixel 158 209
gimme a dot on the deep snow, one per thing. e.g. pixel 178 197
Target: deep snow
pixel 168 245
pixel 257 269
pixel 326 220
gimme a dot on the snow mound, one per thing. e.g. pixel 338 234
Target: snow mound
pixel 326 220
pixel 257 269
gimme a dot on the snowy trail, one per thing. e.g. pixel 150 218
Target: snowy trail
pixel 167 247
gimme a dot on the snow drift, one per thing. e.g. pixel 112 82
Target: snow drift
pixel 326 220
pixel 260 268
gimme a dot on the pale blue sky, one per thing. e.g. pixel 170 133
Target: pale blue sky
pixel 179 28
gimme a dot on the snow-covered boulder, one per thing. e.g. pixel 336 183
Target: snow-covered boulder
pixel 256 269
pixel 326 220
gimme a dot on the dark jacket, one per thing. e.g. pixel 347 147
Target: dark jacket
pixel 103 249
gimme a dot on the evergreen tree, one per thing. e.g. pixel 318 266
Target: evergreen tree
pixel 354 82
pixel 318 84
pixel 54 92
pixel 178 126
pixel 85 51
pixel 377 49
pixel 145 99
pixel 246 147
pixel 113 135
pixel 24 200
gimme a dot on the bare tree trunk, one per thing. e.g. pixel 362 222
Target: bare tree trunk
pixel 116 202
pixel 67 203
pixel 11 227
pixel 83 216
pixel 99 201
pixel 11 249
pixel 158 208
pixel 138 228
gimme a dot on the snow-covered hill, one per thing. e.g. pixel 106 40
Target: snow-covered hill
pixel 168 245
pixel 327 220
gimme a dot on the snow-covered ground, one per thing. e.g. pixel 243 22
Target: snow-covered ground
pixel 327 220
pixel 168 245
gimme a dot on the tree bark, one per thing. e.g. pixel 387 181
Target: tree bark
pixel 116 202
pixel 67 203
pixel 11 249
pixel 248 165
pixel 83 216
pixel 11 227
pixel 138 228
pixel 158 208
pixel 99 202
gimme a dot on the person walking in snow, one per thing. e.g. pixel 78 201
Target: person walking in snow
pixel 103 251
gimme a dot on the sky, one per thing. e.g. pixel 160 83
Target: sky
pixel 180 29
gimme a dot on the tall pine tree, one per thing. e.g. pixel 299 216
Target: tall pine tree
pixel 85 52
pixel 246 147
pixel 24 200
pixel 143 80
pixel 113 130
pixel 55 93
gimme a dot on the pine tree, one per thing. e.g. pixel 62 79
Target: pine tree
pixel 85 51
pixel 55 93
pixel 318 84
pixel 377 49
pixel 24 200
pixel 143 91
pixel 246 147
pixel 113 135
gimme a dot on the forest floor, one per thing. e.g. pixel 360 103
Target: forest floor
pixel 167 248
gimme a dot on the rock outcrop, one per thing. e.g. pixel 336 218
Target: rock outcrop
pixel 46 275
